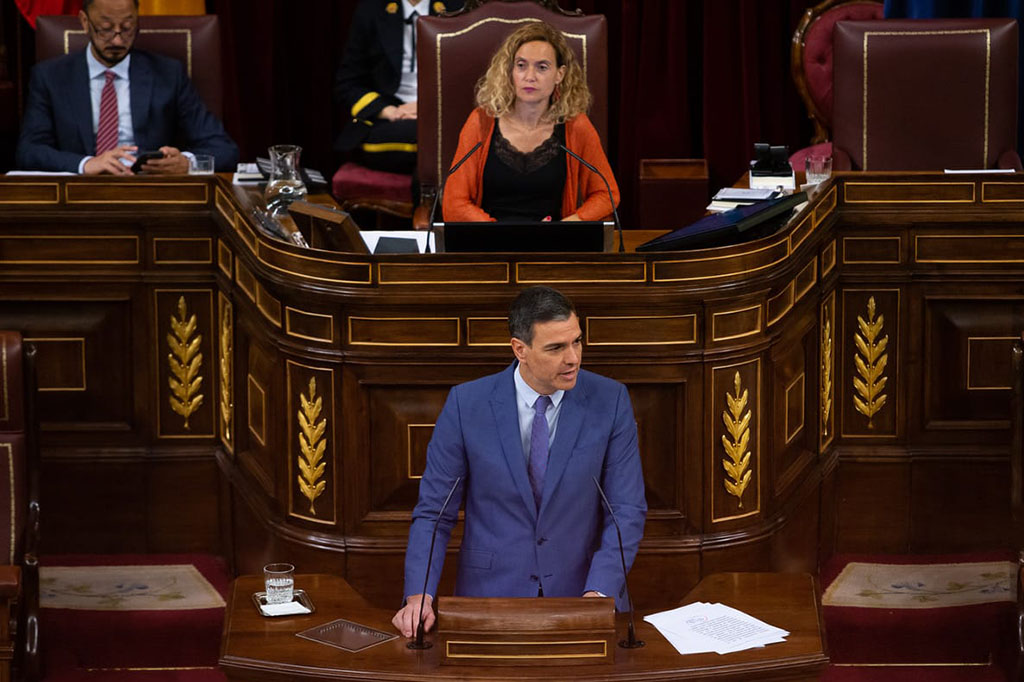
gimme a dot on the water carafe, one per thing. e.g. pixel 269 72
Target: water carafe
pixel 285 184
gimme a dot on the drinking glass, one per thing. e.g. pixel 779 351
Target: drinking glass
pixel 818 169
pixel 279 580
pixel 201 164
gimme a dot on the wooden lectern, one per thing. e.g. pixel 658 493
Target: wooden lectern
pixel 524 632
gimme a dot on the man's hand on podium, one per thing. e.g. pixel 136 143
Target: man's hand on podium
pixel 408 617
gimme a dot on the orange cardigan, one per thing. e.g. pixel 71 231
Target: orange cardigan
pixel 584 193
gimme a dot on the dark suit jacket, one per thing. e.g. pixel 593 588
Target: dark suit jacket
pixel 508 545
pixel 57 129
pixel 370 70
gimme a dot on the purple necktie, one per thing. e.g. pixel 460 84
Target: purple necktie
pixel 538 465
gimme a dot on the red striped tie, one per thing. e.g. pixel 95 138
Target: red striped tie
pixel 106 132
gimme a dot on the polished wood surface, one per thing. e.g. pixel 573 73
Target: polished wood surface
pixel 916 275
pixel 260 648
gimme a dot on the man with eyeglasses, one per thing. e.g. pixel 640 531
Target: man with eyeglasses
pixel 92 112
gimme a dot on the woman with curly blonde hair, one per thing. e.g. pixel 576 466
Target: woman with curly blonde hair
pixel 531 101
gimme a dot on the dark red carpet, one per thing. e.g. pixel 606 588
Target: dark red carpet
pixel 870 638
pixel 175 646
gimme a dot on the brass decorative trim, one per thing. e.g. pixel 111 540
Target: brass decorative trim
pixel 828 258
pixel 737 466
pixel 641 266
pixel 440 91
pixel 34 261
pixel 185 362
pixel 918 34
pixel 62 389
pixel 469 332
pixel 259 247
pixel 224 206
pixel 207 261
pixel 680 342
pixel 754 438
pixel 455 320
pixel 963 185
pixel 122 186
pixel 408 449
pixel 245 280
pixel 827 360
pixel 870 362
pixel 810 274
pixel 467 642
pixel 383 278
pixel 268 305
pixel 790 300
pixel 970 341
pixel 825 206
pixel 798 235
pixel 22 186
pixel 226 360
pixel 312 445
pixel 964 261
pixel 899 250
pixel 251 383
pixel 225 259
pixel 288 310
pixel 801 380
pixel 729 257
pixel 986 186
pixel 246 234
pixel 752 332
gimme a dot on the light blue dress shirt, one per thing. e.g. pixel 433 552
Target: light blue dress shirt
pixel 525 398
pixel 122 86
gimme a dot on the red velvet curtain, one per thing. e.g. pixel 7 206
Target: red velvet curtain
pixel 689 79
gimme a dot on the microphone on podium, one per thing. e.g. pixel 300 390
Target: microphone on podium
pixel 631 642
pixel 611 197
pixel 444 181
pixel 418 643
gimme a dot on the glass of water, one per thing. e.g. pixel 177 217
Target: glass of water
pixel 201 164
pixel 818 169
pixel 279 580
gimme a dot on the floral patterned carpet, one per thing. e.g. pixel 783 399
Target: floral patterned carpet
pixel 921 586
pixel 126 588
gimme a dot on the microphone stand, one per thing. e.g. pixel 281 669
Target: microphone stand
pixel 611 197
pixel 440 190
pixel 418 643
pixel 631 642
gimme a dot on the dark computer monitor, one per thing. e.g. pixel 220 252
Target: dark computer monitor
pixel 524 237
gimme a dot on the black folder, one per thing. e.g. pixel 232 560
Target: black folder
pixel 720 229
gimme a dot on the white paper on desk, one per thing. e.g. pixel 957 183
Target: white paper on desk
pixel 702 627
pixel 986 171
pixel 372 236
pixel 25 172
pixel 286 609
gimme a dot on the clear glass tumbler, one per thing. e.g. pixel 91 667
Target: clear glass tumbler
pixel 279 580
pixel 818 169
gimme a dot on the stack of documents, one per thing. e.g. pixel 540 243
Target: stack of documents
pixel 700 628
pixel 733 197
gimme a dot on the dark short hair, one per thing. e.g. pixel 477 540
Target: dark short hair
pixel 536 304
pixel 86 4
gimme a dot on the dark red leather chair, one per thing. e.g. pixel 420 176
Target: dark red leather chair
pixel 454 51
pixel 19 510
pixel 811 65
pixel 925 94
pixel 194 40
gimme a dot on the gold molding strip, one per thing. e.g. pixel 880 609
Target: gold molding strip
pixel 750 332
pixel 245 279
pixel 188 47
pixel 781 245
pixel 390 273
pixel 185 362
pixel 148 193
pixel 802 380
pixel 825 206
pixel 251 383
pixel 870 362
pixel 226 361
pixel 288 311
pixel 691 339
pixel 62 389
pixel 602 654
pixel 312 446
pixel 245 232
pixel 799 234
pixel 224 206
pixel 77 238
pixel 737 424
pixel 1001 247
pixel 848 186
pixel 225 259
pixel 209 250
pixel 878 239
pixel 806 279
pixel 636 272
pixel 970 340
pixel 828 258
pixel 386 320
pixel 19 190
pixel 470 334
pixel 827 362
pixel 1008 187
pixel 268 305
pixel 260 246
pixel 789 299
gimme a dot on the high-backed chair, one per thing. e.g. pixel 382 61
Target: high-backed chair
pixel 194 40
pixel 454 51
pixel 811 65
pixel 925 94
pixel 19 510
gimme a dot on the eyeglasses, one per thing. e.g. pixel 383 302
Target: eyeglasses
pixel 126 31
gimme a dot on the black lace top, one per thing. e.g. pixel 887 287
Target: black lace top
pixel 524 186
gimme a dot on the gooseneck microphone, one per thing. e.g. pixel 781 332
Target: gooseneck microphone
pixel 631 642
pixel 444 181
pixel 418 643
pixel 611 197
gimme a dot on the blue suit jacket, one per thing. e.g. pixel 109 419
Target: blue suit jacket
pixel 57 128
pixel 509 546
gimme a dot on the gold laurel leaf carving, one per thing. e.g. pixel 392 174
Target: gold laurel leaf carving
pixel 826 373
pixel 226 355
pixel 185 362
pixel 312 446
pixel 737 424
pixel 870 363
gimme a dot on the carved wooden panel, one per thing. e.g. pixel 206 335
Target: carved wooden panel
pixel 794 408
pixel 84 361
pixel 966 364
pixel 186 362
pixel 312 443
pixel 735 411
pixel 869 384
pixel 263 402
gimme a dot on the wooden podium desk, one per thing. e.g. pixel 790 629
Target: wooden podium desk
pixel 266 649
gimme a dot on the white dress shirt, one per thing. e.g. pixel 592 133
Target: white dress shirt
pixel 407 88
pixel 122 86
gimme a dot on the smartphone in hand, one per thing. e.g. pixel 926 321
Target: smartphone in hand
pixel 142 157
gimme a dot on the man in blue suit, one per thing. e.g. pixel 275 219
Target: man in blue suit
pixel 527 443
pixel 91 111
